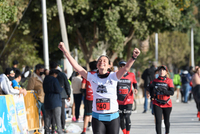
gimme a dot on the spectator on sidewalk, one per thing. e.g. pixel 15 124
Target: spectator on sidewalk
pixel 15 65
pixel 6 84
pixel 52 101
pixel 147 76
pixel 76 85
pixel 177 84
pixel 68 109
pixel 15 82
pixel 35 83
pixel 185 80
pixel 65 94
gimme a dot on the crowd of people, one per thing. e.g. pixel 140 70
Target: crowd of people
pixel 106 92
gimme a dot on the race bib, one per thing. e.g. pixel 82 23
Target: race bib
pixel 103 104
pixel 162 97
pixel 123 91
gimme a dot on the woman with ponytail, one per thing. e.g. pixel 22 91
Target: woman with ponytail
pixel 105 116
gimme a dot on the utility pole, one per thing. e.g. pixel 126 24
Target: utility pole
pixel 67 65
pixel 192 48
pixel 156 47
pixel 45 35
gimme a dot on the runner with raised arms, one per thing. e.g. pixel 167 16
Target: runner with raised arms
pixel 105 116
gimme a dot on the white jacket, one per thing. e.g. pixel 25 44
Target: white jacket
pixel 6 85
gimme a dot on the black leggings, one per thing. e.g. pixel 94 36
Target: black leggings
pixel 125 117
pixel 105 127
pixel 158 112
pixel 125 113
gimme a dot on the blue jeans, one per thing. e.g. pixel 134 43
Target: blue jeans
pixel 41 107
pixel 145 100
pixel 186 89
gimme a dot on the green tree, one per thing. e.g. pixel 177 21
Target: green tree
pixel 173 48
pixel 20 45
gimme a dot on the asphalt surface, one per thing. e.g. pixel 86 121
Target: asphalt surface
pixel 183 120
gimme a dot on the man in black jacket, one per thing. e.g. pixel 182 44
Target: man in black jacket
pixel 65 94
pixel 148 76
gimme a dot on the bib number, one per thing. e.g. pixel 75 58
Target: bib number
pixel 103 104
pixel 123 91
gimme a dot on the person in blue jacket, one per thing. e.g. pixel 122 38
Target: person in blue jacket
pixel 52 101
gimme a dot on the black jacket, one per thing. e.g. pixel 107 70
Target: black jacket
pixel 62 78
pixel 148 75
pixel 52 92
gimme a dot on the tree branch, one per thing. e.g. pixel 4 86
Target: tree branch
pixel 130 36
pixel 82 43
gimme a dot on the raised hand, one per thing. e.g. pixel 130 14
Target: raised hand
pixel 61 46
pixel 136 52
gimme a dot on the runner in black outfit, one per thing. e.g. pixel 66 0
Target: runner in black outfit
pixel 160 91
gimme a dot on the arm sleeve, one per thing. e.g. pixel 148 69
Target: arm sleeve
pixel 169 92
pixel 8 89
pixel 135 85
pixel 67 85
pixel 171 88
pixel 15 85
pixel 4 87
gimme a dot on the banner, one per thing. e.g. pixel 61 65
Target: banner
pixel 18 114
pixel 32 110
pixel 5 120
pixel 21 114
pixel 12 113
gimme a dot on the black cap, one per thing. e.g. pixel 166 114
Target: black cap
pixel 15 62
pixel 122 63
pixel 9 71
pixel 163 66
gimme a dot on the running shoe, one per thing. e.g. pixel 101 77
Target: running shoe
pixel 74 118
pixel 83 133
pixel 163 124
pixel 89 128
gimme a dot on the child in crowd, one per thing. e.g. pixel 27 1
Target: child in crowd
pixel 68 108
pixel 15 82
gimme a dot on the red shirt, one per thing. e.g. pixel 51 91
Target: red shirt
pixel 124 89
pixel 167 85
pixel 89 92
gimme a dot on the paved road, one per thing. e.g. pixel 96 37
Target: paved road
pixel 183 120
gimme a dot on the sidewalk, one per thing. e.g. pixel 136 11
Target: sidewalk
pixel 183 120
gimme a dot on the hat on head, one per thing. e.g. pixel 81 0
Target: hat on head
pixel 8 71
pixel 122 63
pixel 15 62
pixel 164 67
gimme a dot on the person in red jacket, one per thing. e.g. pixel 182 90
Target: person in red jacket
pixel 125 98
pixel 160 90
